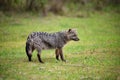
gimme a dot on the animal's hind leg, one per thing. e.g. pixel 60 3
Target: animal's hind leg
pixel 30 53
pixel 57 54
pixel 39 56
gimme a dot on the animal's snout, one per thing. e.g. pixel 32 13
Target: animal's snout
pixel 77 39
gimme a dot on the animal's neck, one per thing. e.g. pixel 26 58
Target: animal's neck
pixel 64 37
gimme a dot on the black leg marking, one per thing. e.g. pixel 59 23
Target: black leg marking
pixel 61 55
pixel 39 57
pixel 57 54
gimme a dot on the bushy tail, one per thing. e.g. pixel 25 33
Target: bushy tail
pixel 27 48
pixel 27 51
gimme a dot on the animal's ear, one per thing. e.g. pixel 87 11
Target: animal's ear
pixel 69 30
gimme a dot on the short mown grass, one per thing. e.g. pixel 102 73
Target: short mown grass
pixel 95 57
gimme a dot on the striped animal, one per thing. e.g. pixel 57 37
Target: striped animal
pixel 44 40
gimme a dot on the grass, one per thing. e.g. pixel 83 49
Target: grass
pixel 95 57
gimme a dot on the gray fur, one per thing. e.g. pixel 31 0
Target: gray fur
pixel 43 40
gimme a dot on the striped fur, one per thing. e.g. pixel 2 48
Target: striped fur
pixel 44 40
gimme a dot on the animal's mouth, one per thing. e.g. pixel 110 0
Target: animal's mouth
pixel 76 39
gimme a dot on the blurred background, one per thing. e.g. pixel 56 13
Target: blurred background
pixel 78 8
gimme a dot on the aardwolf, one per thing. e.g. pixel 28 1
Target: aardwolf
pixel 44 40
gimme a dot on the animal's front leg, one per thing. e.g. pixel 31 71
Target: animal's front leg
pixel 57 54
pixel 61 54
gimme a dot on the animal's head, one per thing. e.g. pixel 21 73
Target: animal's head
pixel 72 35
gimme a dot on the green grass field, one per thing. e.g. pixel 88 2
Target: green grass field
pixel 95 57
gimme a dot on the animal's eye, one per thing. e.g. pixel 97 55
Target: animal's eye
pixel 74 35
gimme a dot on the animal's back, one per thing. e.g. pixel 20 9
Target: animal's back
pixel 43 39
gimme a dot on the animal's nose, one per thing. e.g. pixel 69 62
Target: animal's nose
pixel 78 39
